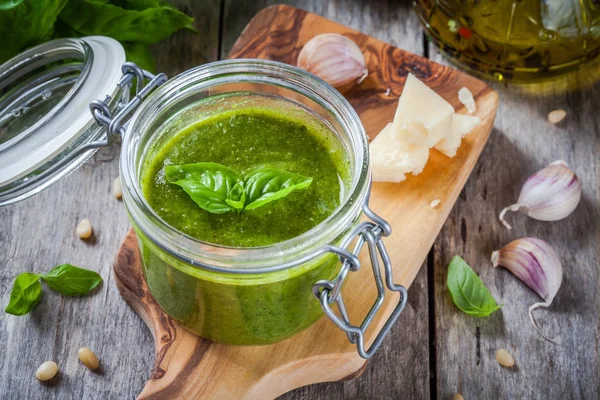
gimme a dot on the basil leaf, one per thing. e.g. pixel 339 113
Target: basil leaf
pixel 25 294
pixel 236 197
pixel 208 184
pixel 140 54
pixel 268 184
pixel 468 292
pixel 146 26
pixel 9 4
pixel 26 23
pixel 70 280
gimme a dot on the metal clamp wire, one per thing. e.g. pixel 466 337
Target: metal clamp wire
pixel 329 292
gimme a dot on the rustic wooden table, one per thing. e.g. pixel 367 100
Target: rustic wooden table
pixel 434 351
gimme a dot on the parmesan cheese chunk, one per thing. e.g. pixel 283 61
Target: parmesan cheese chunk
pixel 461 125
pixel 392 158
pixel 420 106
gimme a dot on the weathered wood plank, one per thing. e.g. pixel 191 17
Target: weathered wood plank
pixel 401 368
pixel 523 141
pixel 38 233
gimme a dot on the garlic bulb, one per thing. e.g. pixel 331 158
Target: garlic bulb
pixel 334 58
pixel 537 265
pixel 548 195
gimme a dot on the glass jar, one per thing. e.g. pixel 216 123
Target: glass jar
pixel 231 295
pixel 46 130
pixel 245 296
pixel 513 39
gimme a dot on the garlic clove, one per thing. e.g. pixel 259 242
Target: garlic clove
pixel 550 194
pixel 334 58
pixel 537 265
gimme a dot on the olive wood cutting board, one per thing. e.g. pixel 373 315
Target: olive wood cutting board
pixel 188 367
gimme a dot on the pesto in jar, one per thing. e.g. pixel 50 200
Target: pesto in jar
pixel 244 309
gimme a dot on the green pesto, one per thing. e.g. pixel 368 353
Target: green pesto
pixel 244 309
pixel 243 140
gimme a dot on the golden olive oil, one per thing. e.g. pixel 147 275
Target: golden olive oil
pixel 523 41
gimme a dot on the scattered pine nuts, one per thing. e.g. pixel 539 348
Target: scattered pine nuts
pixel 88 358
pixel 84 229
pixel 504 358
pixel 46 371
pixel 458 396
pixel 117 189
pixel 554 117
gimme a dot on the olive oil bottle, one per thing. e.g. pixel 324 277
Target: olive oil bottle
pixel 518 40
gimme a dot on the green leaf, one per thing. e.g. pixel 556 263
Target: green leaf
pixel 236 197
pixel 25 294
pixel 468 292
pixel 9 4
pixel 141 4
pixel 208 184
pixel 140 54
pixel 26 23
pixel 268 184
pixel 70 280
pixel 146 26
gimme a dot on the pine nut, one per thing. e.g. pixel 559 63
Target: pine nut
pixel 117 189
pixel 504 358
pixel 46 371
pixel 88 358
pixel 84 229
pixel 554 117
pixel 458 396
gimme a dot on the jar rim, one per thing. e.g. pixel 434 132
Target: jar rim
pixel 52 146
pixel 247 260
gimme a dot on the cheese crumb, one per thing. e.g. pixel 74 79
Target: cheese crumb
pixel 466 97
pixel 461 126
pixel 435 203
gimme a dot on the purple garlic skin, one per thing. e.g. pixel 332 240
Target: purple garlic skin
pixel 537 265
pixel 334 58
pixel 550 194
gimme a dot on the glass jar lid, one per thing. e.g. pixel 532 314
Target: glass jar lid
pixel 45 122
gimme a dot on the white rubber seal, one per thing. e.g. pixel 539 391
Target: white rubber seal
pixel 75 119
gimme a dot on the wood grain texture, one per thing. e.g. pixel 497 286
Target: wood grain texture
pixel 322 352
pixel 39 233
pixel 522 142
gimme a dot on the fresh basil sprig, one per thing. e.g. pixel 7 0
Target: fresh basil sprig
pixel 66 279
pixel 218 189
pixel 135 23
pixel 468 292
pixel 268 184
pixel 210 185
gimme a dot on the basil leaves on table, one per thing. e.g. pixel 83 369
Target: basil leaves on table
pixel 218 189
pixel 70 280
pixel 135 23
pixel 66 279
pixel 468 292
pixel 26 293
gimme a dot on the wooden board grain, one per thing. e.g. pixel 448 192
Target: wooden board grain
pixel 279 33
